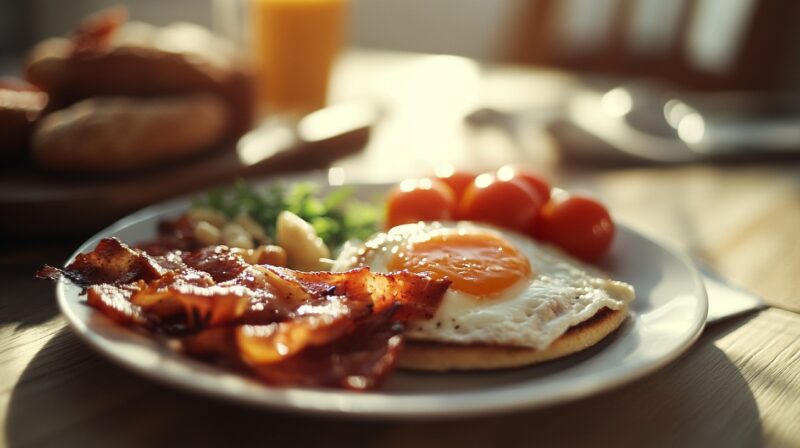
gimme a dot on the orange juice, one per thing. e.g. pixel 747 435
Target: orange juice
pixel 295 44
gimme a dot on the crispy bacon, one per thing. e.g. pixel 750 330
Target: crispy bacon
pixel 176 234
pixel 287 327
pixel 115 302
pixel 418 295
pixel 219 261
pixel 110 262
pixel 360 360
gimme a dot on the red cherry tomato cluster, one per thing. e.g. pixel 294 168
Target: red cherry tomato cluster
pixel 512 197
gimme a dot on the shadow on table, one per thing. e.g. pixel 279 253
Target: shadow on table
pixel 69 396
pixel 26 300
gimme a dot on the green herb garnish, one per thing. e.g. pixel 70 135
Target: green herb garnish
pixel 336 217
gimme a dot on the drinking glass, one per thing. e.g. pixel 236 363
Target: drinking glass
pixel 292 45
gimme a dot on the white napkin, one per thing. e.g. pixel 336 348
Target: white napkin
pixel 726 300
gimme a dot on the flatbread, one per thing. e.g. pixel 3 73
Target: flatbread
pixel 439 357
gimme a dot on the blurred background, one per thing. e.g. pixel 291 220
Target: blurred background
pixel 556 84
pixel 720 44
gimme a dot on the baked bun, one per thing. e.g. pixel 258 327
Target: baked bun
pixel 434 356
pixel 107 135
pixel 106 58
pixel 20 107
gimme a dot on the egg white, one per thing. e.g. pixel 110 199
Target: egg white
pixel 560 293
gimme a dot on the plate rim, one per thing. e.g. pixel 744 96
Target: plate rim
pixel 284 398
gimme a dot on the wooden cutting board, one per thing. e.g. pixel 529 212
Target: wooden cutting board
pixel 35 204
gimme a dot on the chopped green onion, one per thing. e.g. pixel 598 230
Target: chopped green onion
pixel 336 217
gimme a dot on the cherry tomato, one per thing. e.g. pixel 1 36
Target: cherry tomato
pixel 458 181
pixel 506 203
pixel 420 200
pixel 535 181
pixel 579 225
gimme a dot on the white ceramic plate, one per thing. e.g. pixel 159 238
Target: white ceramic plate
pixel 667 316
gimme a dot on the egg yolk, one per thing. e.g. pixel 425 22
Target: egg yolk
pixel 477 264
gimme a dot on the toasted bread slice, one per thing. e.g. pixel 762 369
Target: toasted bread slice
pixel 435 356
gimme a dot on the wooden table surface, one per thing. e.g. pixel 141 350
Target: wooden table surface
pixel 739 385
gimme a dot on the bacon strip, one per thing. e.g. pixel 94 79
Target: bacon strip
pixel 418 295
pixel 269 344
pixel 110 262
pixel 115 302
pixel 287 327
pixel 358 361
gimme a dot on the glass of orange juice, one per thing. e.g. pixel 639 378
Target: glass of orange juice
pixel 294 44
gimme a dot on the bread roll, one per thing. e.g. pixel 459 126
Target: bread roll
pixel 20 107
pixel 141 60
pixel 108 135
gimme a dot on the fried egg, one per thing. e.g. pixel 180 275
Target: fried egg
pixel 507 289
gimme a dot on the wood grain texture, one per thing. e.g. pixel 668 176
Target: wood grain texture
pixel 742 220
pixel 739 386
